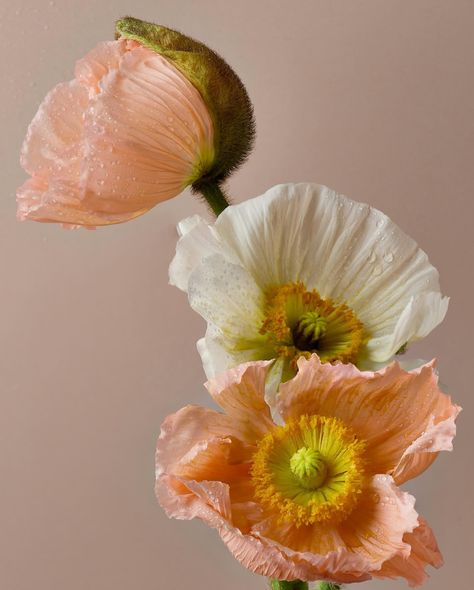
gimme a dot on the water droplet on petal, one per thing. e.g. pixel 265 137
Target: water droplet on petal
pixel 372 257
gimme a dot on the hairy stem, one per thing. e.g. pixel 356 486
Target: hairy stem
pixel 214 196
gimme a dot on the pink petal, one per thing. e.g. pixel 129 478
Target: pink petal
pixel 240 392
pixel 390 409
pixel 424 551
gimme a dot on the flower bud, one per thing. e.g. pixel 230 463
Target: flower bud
pixel 145 116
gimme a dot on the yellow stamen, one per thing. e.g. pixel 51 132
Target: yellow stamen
pixel 310 470
pixel 300 322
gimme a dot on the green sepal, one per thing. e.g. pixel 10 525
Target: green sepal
pixel 219 86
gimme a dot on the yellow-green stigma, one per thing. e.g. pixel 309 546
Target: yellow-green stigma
pixel 309 467
pixel 300 322
pixel 310 470
pixel 310 328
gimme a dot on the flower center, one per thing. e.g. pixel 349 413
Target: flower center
pixel 300 322
pixel 309 467
pixel 310 470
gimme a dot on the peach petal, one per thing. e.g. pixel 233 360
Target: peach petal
pixel 58 201
pixel 258 555
pixel 240 392
pixel 359 548
pixel 214 493
pixel 424 551
pixel 145 128
pixel 126 134
pixel 374 531
pixel 274 561
pixel 53 142
pixel 96 64
pixel 217 459
pixel 181 503
pixel 390 409
pixel 182 431
pixel 424 450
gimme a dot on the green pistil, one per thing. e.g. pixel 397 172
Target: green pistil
pixel 309 467
pixel 309 329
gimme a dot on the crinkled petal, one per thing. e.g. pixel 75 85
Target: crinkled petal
pixel 424 552
pixel 183 431
pixel 187 500
pixel 357 551
pixel 437 436
pixel 240 392
pixel 374 532
pixel 389 409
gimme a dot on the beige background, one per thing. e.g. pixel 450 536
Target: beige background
pixel 374 98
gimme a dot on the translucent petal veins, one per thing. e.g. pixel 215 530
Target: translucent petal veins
pixel 310 470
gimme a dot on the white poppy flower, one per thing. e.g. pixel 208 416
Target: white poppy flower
pixel 303 270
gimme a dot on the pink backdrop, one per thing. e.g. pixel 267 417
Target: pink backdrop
pixel 373 98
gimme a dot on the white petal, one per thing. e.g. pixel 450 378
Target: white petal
pixel 189 223
pixel 346 250
pixel 215 358
pixel 270 235
pixel 421 314
pixel 226 296
pixel 197 242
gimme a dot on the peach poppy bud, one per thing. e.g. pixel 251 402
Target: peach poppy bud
pixel 145 116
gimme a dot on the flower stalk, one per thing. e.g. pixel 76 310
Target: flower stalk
pixel 292 585
pixel 299 585
pixel 214 196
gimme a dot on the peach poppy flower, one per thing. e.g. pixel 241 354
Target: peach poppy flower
pixel 128 132
pixel 314 496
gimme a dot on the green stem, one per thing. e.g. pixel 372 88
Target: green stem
pixel 299 585
pixel 214 195
pixel 293 585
